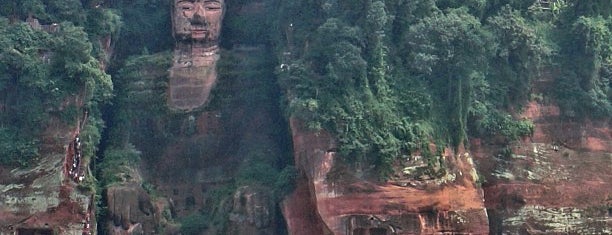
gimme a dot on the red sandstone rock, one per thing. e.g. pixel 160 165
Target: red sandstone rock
pixel 368 207
pixel 557 181
pixel 40 197
pixel 252 211
pixel 131 210
pixel 300 213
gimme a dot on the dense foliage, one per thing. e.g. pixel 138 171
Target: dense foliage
pixel 43 69
pixel 146 27
pixel 385 76
pixel 388 77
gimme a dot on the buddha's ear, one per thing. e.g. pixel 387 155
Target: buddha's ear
pixel 223 9
pixel 172 16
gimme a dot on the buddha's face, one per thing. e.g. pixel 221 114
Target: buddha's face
pixel 198 20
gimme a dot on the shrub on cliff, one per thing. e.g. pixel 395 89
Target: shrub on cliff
pixel 118 163
pixel 15 148
pixel 194 224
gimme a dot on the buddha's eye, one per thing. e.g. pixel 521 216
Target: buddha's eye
pixel 212 5
pixel 185 6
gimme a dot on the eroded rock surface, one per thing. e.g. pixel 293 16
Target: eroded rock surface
pixel 300 212
pixel 347 203
pixel 131 210
pixel 252 211
pixel 557 181
pixel 42 197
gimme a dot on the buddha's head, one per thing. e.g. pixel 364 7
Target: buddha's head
pixel 198 21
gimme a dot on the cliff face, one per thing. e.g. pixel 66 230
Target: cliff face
pixel 557 181
pixel 131 210
pixel 49 194
pixel 346 202
pixel 253 212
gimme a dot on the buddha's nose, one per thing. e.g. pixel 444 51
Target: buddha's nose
pixel 199 15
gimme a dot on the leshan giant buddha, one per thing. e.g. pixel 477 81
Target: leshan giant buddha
pixel 196 26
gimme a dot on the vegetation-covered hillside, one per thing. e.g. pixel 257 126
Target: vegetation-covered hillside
pixel 386 78
pixel 389 77
pixel 51 60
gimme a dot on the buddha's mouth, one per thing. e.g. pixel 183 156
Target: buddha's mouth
pixel 199 33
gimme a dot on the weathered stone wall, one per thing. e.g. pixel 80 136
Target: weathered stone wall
pixel 41 195
pixel 556 181
pixel 351 204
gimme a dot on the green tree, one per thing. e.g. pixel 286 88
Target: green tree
pixel 407 13
pixel 584 87
pixel 103 22
pixel 146 26
pixel 519 54
pixel 338 53
pixel 34 8
pixel 66 10
pixel 475 7
pixel 590 8
pixel 451 50
pixel 376 23
pixel 592 39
